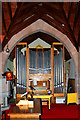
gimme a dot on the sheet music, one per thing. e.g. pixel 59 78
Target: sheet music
pixel 44 84
pixel 35 82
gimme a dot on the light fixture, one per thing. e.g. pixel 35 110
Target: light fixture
pixel 7 49
pixel 40 4
pixel 62 24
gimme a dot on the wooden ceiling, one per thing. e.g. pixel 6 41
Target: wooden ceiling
pixel 65 16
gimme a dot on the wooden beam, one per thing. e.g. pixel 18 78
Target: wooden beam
pixel 15 15
pixel 22 43
pixel 76 15
pixel 55 23
pixel 53 5
pixel 3 20
pixel 24 17
pixel 70 9
pixel 79 39
pixel 9 10
pixel 25 12
pixel 55 43
pixel 60 29
pixel 52 9
pixel 73 40
pixel 22 25
pixel 57 15
pixel 19 27
pixel 28 5
pixel 18 4
pixel 10 27
pixel 44 11
pixel 59 95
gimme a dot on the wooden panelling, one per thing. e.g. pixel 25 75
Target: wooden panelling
pixel 27 58
pixel 57 43
pixel 40 77
pixel 22 43
pixel 59 95
pixel 40 84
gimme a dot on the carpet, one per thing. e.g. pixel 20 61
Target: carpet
pixel 57 112
pixel 61 112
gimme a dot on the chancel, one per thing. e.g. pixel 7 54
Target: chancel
pixel 41 49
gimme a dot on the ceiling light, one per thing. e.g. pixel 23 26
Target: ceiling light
pixel 62 24
pixel 7 49
pixel 40 4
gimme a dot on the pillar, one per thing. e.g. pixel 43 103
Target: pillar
pixel 79 76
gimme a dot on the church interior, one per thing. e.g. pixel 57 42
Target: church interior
pixel 39 60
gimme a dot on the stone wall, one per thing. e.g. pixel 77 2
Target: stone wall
pixel 79 75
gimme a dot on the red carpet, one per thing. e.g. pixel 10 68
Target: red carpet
pixel 57 112
pixel 61 111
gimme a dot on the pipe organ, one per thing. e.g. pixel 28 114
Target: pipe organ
pixel 58 72
pixel 40 61
pixel 21 72
pixel 40 64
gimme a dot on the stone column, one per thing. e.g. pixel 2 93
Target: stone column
pixel 79 75
pixel 77 86
pixel 0 64
pixel 77 79
pixel 4 60
pixel 6 101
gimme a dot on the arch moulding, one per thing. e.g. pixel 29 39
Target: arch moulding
pixel 42 26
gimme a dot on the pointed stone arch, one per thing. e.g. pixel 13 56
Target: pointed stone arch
pixel 41 26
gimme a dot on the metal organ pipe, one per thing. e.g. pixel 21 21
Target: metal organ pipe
pixel 21 72
pixel 58 72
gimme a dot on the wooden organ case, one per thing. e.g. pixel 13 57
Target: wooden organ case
pixel 44 69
